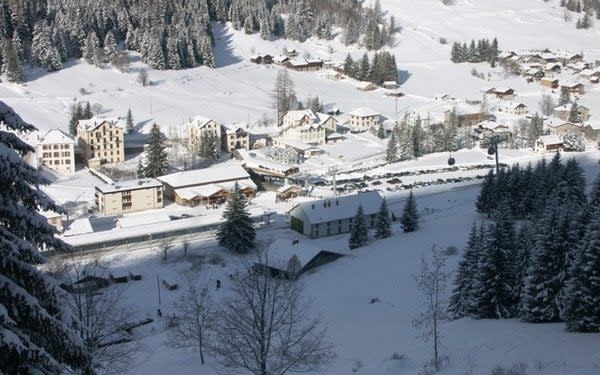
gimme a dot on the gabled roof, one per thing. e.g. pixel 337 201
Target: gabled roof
pixel 364 112
pixel 555 122
pixel 282 250
pixel 550 139
pixel 199 122
pixel 339 208
pixel 234 128
pixel 299 114
pixel 95 122
pixel 204 176
pixel 56 136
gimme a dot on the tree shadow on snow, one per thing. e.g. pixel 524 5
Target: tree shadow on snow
pixel 224 54
pixel 403 76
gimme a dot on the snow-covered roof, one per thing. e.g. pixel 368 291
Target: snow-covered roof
pixel 342 207
pixel 551 66
pixel 295 144
pixel 571 84
pixel 503 90
pixel 77 227
pixel 209 190
pixel 280 59
pixel 142 219
pixel 491 125
pixel 556 122
pixel 199 121
pixel 364 85
pixel 233 128
pixel 299 114
pixel 309 127
pixel 205 176
pixel 335 136
pixel 549 79
pixel 282 250
pixel 364 112
pixel 94 122
pixel 142 183
pixel 253 161
pixel 593 125
pixel 323 117
pixel 550 139
pixel 56 136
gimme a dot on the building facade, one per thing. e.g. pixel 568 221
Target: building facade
pixel 336 215
pixel 198 128
pixel 101 141
pixel 234 137
pixel 129 196
pixel 362 119
pixel 56 151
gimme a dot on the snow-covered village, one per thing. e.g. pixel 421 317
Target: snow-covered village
pixel 271 187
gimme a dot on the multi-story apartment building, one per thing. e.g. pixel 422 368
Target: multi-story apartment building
pixel 234 137
pixel 200 127
pixel 56 151
pixel 129 196
pixel 101 140
pixel 362 119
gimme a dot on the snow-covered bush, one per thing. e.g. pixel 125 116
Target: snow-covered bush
pixel 516 369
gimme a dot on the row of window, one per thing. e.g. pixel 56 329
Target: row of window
pixel 57 162
pixel 56 154
pixel 55 147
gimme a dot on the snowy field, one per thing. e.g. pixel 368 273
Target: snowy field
pixel 239 90
pixel 361 332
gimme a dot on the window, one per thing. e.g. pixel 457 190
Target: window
pixel 56 147
pixel 56 154
pixel 44 147
pixel 68 161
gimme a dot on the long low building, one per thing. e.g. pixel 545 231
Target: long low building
pixel 129 196
pixel 334 215
pixel 208 185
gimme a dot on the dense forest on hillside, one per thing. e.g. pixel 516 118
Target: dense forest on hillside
pixel 170 34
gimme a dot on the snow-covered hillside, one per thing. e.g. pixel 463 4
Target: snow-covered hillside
pixel 240 91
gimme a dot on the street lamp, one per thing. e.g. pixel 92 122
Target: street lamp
pixel 493 150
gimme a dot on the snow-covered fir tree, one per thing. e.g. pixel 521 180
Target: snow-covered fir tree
pixel 129 124
pixel 359 233
pixel 493 295
pixel 38 334
pixel 11 64
pixel 391 154
pixel 410 214
pixel 156 158
pixel 565 96
pixel 236 232
pixel 574 115
pixel 582 302
pixel 383 221
pixel 595 194
pixel 462 299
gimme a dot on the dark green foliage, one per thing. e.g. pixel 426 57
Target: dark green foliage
pixel 156 158
pixel 493 293
pixel 482 51
pixel 461 301
pixel 236 232
pixel 129 122
pixel 383 223
pixel 38 334
pixel 359 233
pixel 582 302
pixel 410 215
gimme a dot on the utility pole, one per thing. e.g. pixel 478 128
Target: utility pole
pixel 493 149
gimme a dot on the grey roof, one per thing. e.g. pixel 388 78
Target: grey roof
pixel 136 184
pixel 338 208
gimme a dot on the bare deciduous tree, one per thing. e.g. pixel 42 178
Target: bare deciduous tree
pixel 194 321
pixel 101 312
pixel 143 77
pixel 265 328
pixel 165 245
pixel 431 282
pixel 547 104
